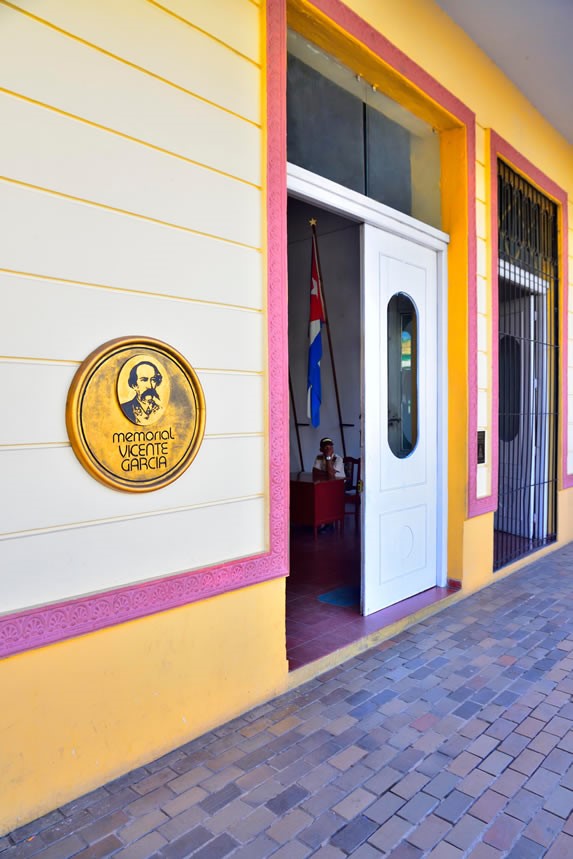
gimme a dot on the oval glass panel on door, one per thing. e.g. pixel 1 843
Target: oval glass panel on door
pixel 402 326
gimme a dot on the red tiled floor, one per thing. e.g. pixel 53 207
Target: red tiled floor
pixel 314 628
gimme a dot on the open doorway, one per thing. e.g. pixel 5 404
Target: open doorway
pixel 368 171
pixel 324 586
pixel 385 297
pixel 526 518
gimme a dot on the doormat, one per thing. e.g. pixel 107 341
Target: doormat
pixel 344 597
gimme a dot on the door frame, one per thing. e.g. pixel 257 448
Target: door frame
pixel 312 188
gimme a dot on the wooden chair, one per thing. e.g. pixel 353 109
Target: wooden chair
pixel 352 486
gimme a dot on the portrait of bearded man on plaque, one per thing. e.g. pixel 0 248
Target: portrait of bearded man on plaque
pixel 146 381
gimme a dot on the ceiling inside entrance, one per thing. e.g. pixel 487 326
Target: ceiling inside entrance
pixel 530 41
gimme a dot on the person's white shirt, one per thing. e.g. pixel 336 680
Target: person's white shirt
pixel 338 462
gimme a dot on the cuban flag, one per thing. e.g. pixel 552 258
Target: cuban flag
pixel 314 392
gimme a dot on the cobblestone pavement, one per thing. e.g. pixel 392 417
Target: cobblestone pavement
pixel 453 739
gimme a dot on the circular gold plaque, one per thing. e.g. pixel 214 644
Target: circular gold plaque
pixel 135 414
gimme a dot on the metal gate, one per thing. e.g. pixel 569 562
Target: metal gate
pixel 526 517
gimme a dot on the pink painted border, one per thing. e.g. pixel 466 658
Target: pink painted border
pixel 499 147
pixel 37 627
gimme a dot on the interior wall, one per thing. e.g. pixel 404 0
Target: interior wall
pixel 339 251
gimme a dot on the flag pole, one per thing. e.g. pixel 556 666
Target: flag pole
pixel 313 222
pixel 295 421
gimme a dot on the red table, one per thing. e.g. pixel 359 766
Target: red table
pixel 316 502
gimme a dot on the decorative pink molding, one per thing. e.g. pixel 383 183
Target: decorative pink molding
pixel 37 627
pixel 501 148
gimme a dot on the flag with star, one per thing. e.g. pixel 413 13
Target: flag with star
pixel 316 320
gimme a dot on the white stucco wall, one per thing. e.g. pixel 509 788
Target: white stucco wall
pixel 131 149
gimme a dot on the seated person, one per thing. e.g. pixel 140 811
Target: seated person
pixel 328 465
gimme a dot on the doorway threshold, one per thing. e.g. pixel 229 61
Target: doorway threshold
pixel 334 634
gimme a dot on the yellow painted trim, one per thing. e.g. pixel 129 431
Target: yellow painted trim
pixel 203 32
pixel 124 62
pixel 131 214
pixel 124 136
pixel 454 165
pixel 67 281
pixel 565 516
pixel 315 26
pixel 478 552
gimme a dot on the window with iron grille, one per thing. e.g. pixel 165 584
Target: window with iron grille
pixel 526 517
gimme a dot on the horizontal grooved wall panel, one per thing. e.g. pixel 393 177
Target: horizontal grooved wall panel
pixel 161 45
pixel 235 22
pixel 50 150
pixel 53 236
pixel 84 560
pixel 99 315
pixel 45 384
pixel 120 97
pixel 35 473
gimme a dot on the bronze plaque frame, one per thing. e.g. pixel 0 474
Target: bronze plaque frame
pixel 104 432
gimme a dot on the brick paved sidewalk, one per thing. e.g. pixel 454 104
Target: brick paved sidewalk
pixel 453 739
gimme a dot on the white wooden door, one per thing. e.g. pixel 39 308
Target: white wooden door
pixel 399 557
